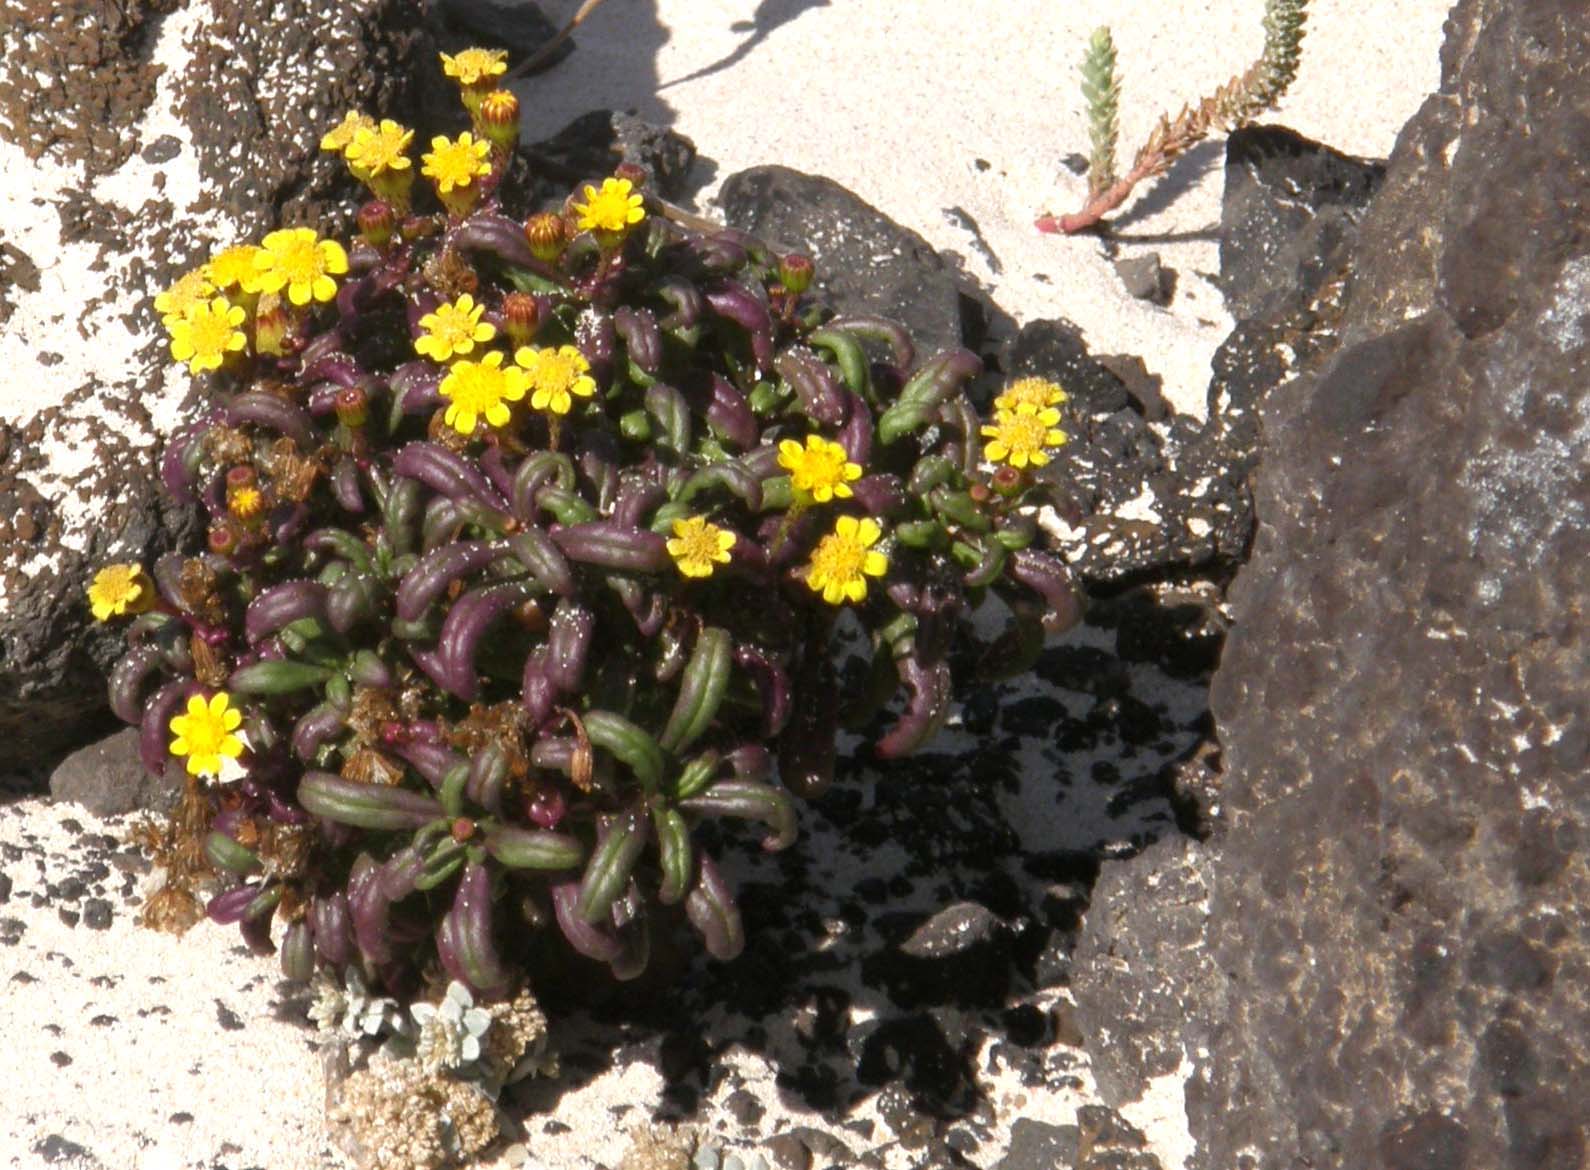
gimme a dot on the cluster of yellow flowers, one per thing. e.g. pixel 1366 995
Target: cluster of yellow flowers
pixel 820 473
pixel 206 309
pixel 460 169
pixel 1026 424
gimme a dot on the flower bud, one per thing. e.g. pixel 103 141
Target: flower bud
pixel 979 493
pixel 462 829
pixel 521 317
pixel 272 322
pixel 634 172
pixel 795 273
pixel 499 118
pixel 1007 480
pixel 377 221
pixel 352 405
pixel 222 538
pixel 547 235
pixel 244 500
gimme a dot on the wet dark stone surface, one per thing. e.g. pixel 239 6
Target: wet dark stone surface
pixel 1396 888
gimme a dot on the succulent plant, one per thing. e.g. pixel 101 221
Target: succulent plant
pixel 527 537
pixel 448 1035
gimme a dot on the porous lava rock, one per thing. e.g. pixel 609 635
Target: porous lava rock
pixel 135 140
pixel 1398 892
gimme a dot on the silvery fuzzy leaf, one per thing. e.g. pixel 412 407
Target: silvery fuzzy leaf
pixel 476 1021
pixel 469 1049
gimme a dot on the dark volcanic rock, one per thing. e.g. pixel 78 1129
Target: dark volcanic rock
pixel 1145 278
pixel 865 262
pixel 107 778
pixel 1037 1145
pixel 1288 202
pixel 518 26
pixel 1141 978
pixel 596 142
pixel 1398 901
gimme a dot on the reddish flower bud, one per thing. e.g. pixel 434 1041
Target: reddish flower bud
pixel 462 829
pixel 636 174
pixel 499 118
pixel 547 235
pixel 1007 480
pixel 222 538
pixel 272 322
pixel 795 273
pixel 352 405
pixel 980 493
pixel 521 317
pixel 377 221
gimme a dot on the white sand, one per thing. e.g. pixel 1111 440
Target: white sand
pixel 897 99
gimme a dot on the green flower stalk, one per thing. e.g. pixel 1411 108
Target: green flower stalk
pixel 1234 104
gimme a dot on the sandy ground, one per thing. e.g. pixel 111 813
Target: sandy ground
pixel 141 1052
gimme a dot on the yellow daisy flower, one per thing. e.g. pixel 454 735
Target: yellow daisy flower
pixel 819 471
pixel 475 66
pixel 844 559
pixel 206 333
pixel 697 545
pixel 454 163
pixel 379 149
pixel 453 330
pixel 190 289
pixel 483 389
pixel 1038 392
pixel 341 135
pixel 559 376
pixel 204 733
pixel 301 262
pixel 233 268
pixel 120 589
pixel 612 209
pixel 1019 437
